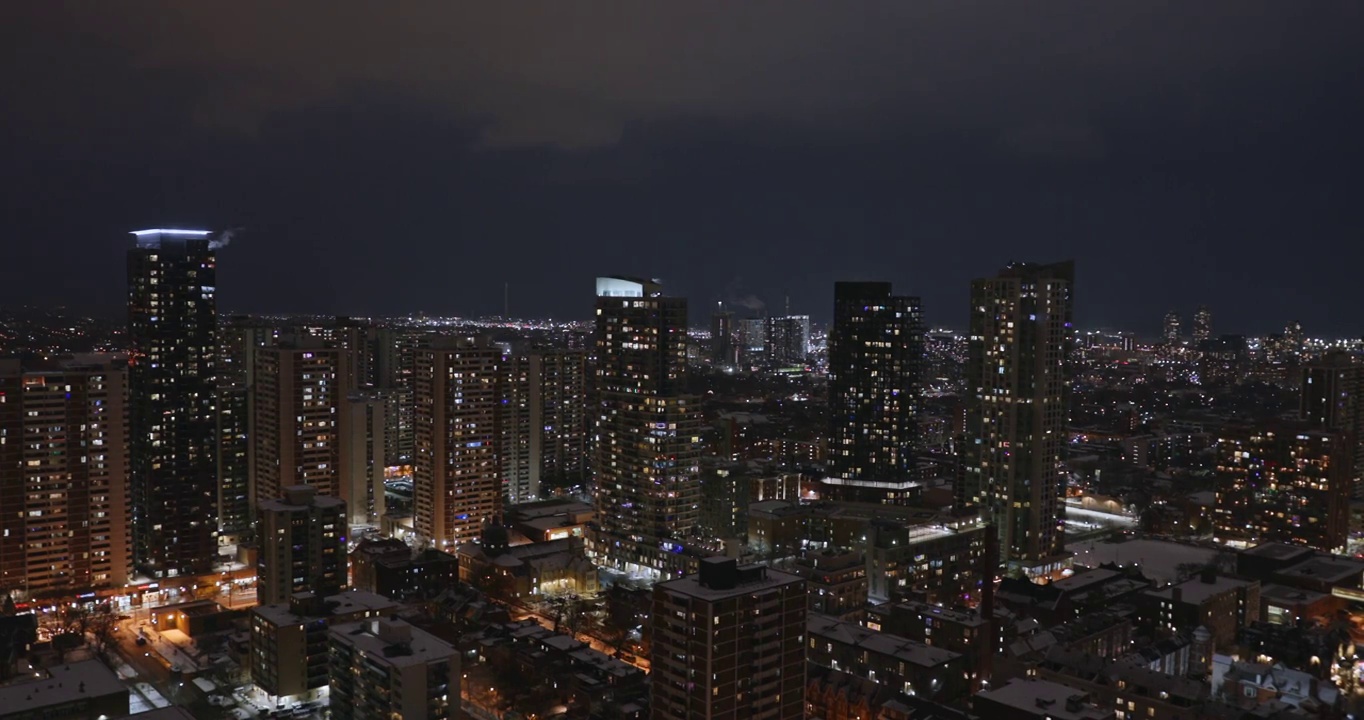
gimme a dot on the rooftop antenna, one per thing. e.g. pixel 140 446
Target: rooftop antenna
pixel 506 301
pixel 788 306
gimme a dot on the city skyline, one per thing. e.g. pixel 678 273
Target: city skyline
pixel 969 361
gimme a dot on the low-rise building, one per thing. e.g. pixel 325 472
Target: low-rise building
pixel 960 631
pixel 289 640
pixel 1324 573
pixel 835 582
pixel 836 695
pixel 524 571
pixel 1285 605
pixel 1038 699
pixel 1071 597
pixel 83 690
pixel 1224 605
pixel 912 553
pixel 1104 634
pixel 1132 690
pixel 549 520
pixel 557 669
pixel 196 618
pixel 905 665
pixel 385 668
pixel 392 569
pixel 1250 685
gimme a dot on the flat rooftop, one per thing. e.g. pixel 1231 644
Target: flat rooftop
pixel 60 684
pixel 960 617
pixel 1158 559
pixel 1278 551
pixel 691 585
pixel 1036 697
pixel 1288 594
pixel 1085 580
pixel 419 648
pixel 547 508
pixel 886 644
pixel 550 522
pixel 1325 568
pixel 194 608
pixel 174 712
pixel 344 603
pixel 317 501
pixel 1198 592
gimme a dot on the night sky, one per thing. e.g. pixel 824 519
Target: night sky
pixel 414 156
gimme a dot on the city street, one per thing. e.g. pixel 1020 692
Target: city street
pixel 521 612
pixel 151 668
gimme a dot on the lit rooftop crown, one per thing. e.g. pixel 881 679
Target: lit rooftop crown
pixel 171 231
pixel 155 237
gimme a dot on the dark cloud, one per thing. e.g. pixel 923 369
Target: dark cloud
pixel 576 74
pixel 417 155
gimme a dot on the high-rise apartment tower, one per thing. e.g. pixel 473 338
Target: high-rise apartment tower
pixel 1019 384
pixel 875 368
pixel 728 644
pixel 63 478
pixel 647 464
pixel 172 383
pixel 457 477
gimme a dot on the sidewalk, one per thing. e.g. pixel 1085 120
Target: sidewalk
pixel 170 651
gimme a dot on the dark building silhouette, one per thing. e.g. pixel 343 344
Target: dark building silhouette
pixel 303 545
pixel 788 340
pixel 173 434
pixel 1202 324
pixel 723 351
pixel 1331 400
pixel 875 368
pixel 1019 384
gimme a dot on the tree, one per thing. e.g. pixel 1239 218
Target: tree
pixel 94 625
pixel 618 617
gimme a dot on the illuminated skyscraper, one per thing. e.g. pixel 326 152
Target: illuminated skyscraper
pixel 1332 398
pixel 297 394
pixel 647 459
pixel 457 475
pixel 544 421
pixel 356 337
pixel 752 345
pixel 723 352
pixel 395 368
pixel 363 439
pixel 172 381
pixel 875 367
pixel 1015 445
pixel 238 342
pixel 788 340
pixel 1284 484
pixel 1202 325
pixel 63 479
pixel 1171 332
pixel 1292 340
pixel 303 545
